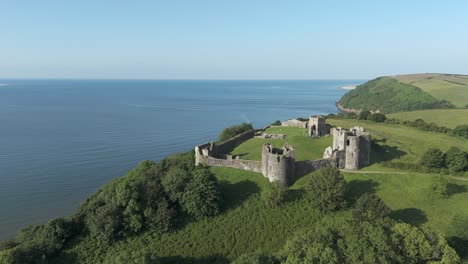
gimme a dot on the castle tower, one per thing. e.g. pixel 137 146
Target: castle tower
pixel 339 138
pixel 317 126
pixel 357 154
pixel 278 165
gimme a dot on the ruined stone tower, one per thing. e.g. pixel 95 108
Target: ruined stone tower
pixel 355 144
pixel 317 126
pixel 278 165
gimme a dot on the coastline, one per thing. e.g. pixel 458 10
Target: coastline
pixel 348 87
pixel 346 110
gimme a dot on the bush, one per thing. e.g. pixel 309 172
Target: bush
pixel 461 131
pixel 433 158
pixel 233 131
pixel 364 114
pixel 276 123
pixel 370 207
pixel 377 117
pixel 456 160
pixel 440 186
pixel 274 194
pixel 201 197
pixel 326 188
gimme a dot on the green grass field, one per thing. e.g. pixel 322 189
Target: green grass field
pixel 444 117
pixel 452 88
pixel 306 148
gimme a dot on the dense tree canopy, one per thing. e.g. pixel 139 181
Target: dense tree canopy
pixel 326 189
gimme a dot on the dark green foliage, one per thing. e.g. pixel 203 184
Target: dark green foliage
pixel 377 117
pixel 367 242
pixel 440 186
pixel 364 115
pixel 276 123
pixel 273 195
pixel 433 158
pixel 461 131
pixel 134 257
pixel 326 189
pixel 256 258
pixel 370 207
pixel 456 160
pixel 233 131
pixel 389 96
pixel 201 198
pixel 174 182
pixel 37 244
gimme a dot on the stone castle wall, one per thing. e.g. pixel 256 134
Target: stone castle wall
pixel 248 165
pixel 308 166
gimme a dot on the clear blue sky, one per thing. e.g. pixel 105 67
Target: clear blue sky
pixel 238 39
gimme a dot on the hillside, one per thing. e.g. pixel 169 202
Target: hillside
pixel 450 87
pixel 245 224
pixel 402 93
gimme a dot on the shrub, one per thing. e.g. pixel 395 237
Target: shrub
pixel 440 185
pixel 274 194
pixel 456 160
pixel 433 158
pixel 326 188
pixel 364 114
pixel 377 117
pixel 461 131
pixel 370 207
pixel 233 131
pixel 201 197
pixel 276 123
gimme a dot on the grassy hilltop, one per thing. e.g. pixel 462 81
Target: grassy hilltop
pixel 390 94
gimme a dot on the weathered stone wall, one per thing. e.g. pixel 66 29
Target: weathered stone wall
pixel 317 126
pixel 294 123
pixel 339 138
pixel 227 146
pixel 308 166
pixel 278 165
pixel 248 165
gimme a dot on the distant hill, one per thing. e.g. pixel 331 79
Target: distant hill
pixel 390 94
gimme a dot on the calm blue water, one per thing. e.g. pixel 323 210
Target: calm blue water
pixel 60 140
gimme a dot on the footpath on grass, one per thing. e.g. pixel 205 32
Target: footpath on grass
pixel 394 172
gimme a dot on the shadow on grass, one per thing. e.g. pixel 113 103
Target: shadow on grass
pixel 382 152
pixel 356 188
pixel 454 188
pixel 460 245
pixel 412 216
pixel 234 194
pixel 191 260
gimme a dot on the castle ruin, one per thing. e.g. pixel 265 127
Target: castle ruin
pixel 350 150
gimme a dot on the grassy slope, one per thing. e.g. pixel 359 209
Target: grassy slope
pixel 387 95
pixel 443 117
pixel 247 226
pixel 453 88
pixel 306 148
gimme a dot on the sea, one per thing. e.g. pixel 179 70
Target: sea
pixel 61 140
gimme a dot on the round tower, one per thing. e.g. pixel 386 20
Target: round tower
pixel 278 165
